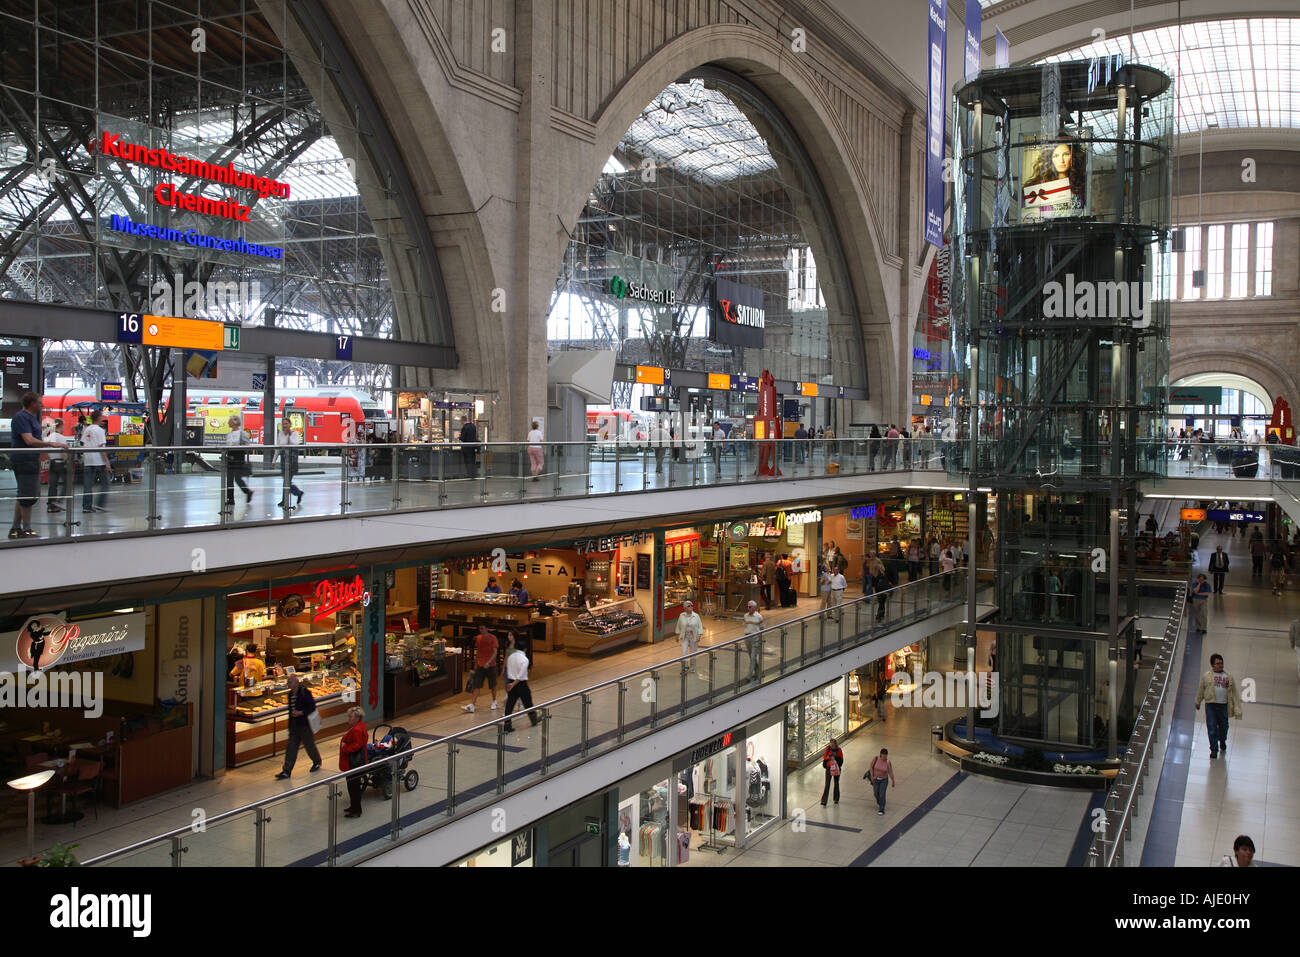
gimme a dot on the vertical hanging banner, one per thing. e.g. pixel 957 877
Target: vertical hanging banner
pixel 974 14
pixel 1001 50
pixel 934 122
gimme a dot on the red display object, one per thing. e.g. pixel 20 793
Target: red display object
pixel 767 425
pixel 1282 424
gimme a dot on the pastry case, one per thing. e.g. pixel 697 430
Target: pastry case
pixel 607 626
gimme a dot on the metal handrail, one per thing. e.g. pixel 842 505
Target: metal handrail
pixel 1121 804
pixel 956 599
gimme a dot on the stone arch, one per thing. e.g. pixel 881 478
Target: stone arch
pixel 1270 374
pixel 764 61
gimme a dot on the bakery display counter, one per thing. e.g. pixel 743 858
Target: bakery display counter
pixel 257 718
pixel 600 630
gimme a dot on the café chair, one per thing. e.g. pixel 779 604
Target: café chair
pixel 83 781
pixel 34 761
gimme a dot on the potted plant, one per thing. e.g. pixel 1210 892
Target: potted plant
pixel 60 855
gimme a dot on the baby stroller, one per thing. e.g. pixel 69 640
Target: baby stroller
pixel 380 776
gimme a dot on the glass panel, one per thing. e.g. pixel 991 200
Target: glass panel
pixel 228 843
pixel 602 719
pixel 476 768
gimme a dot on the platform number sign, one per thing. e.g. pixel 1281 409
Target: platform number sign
pixel 343 347
pixel 130 328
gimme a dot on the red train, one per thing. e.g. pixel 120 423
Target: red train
pixel 321 415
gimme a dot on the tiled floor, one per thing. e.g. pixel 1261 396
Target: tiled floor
pixel 553 676
pixel 934 817
pixel 1253 789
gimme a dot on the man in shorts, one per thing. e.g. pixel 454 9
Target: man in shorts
pixel 485 667
pixel 25 435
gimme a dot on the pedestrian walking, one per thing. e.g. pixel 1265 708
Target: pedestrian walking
pixel 882 692
pixel 689 630
pixel 935 551
pixel 58 466
pixel 1277 568
pixel 1219 568
pixel 881 578
pixel 288 437
pixel 1200 593
pixel 767 577
pixel 485 667
pixel 302 727
pixel 881 776
pixel 25 435
pixel 1257 552
pixel 873 448
pixel 352 757
pixel 947 564
pixel 517 689
pixel 833 762
pixel 536 459
pixel 1218 689
pixel 915 556
pixel 236 462
pixel 837 584
pixel 1243 853
pixel 800 444
pixel 753 625
pixel 468 437
pixel 95 476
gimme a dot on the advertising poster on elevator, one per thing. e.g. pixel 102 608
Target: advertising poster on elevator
pixel 737 316
pixel 17 372
pixel 936 56
pixel 1054 174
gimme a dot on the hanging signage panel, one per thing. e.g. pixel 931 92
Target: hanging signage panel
pixel 935 127
pixel 47 640
pixel 737 315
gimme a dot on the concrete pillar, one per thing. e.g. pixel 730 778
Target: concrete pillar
pixel 528 291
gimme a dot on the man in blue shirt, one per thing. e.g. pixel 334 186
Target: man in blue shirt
pixel 25 434
pixel 1200 592
pixel 519 593
pixel 492 587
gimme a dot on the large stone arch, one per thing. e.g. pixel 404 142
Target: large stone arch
pixel 1273 376
pixel 431 121
pixel 765 62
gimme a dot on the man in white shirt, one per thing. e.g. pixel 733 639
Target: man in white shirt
pixel 535 457
pixel 517 690
pixel 95 464
pixel 287 435
pixel 58 465
pixel 236 462
pixel 689 630
pixel 753 625
pixel 719 437
pixel 838 584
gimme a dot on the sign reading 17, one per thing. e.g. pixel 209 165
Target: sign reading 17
pixel 343 347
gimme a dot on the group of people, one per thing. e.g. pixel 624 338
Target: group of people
pixel 28 436
pixel 880 772
pixel 238 466
pixel 776 577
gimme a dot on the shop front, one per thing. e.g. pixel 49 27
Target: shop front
pixel 110 696
pixel 706 801
pixel 719 566
pixel 312 629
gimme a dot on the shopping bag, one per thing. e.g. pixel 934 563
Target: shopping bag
pixel 313 721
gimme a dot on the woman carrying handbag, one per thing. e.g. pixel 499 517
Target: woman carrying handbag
pixel 832 761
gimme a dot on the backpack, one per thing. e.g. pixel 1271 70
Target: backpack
pixel 782 576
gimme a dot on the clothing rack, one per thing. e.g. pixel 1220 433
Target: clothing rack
pixel 710 803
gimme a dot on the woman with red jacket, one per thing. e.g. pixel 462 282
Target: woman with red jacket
pixel 832 761
pixel 352 757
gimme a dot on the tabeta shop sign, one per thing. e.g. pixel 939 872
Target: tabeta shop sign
pixel 333 595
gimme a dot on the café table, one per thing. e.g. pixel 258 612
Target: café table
pixel 61 774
